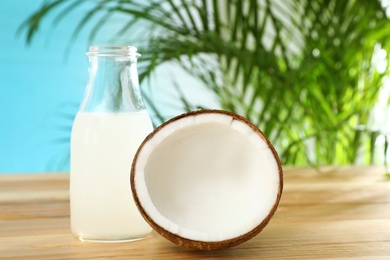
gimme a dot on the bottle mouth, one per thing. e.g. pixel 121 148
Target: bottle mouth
pixel 113 50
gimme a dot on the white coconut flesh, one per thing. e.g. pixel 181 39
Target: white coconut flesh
pixel 207 177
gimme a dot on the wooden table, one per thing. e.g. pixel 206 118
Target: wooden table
pixel 343 212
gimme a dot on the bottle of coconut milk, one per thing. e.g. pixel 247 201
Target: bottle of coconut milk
pixel 110 125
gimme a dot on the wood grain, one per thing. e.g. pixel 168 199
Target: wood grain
pixel 342 212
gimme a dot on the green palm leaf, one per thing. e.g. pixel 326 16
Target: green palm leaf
pixel 301 70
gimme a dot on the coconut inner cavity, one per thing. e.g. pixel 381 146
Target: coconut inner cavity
pixel 208 181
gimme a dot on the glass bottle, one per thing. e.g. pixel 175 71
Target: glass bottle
pixel 109 127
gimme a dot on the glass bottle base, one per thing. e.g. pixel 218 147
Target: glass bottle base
pixel 120 240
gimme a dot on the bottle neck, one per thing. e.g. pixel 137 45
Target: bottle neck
pixel 113 80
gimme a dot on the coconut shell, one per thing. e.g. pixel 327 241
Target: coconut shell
pixel 207 245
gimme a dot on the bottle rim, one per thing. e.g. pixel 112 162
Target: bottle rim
pixel 113 50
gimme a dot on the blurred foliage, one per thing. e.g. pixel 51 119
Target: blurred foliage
pixel 307 73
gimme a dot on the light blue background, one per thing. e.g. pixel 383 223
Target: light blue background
pixel 41 86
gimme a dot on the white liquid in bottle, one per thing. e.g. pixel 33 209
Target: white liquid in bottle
pixel 102 149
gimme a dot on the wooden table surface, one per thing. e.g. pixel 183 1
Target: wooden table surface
pixel 343 212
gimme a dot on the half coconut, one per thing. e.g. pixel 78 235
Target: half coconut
pixel 207 179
